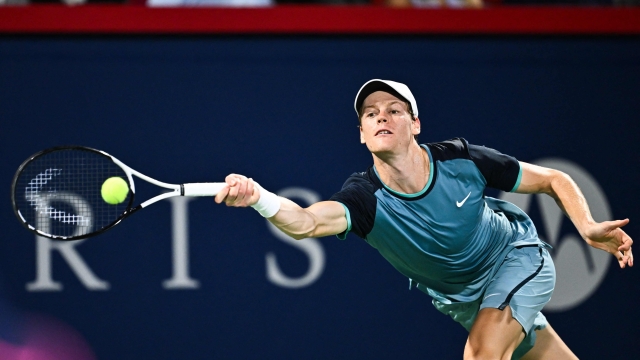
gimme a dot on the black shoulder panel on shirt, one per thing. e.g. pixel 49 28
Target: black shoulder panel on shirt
pixel 501 171
pixel 357 195
pixel 455 148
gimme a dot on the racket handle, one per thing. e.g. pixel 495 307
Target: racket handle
pixel 202 189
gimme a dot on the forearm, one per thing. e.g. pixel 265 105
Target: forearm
pixel 570 199
pixel 560 186
pixel 605 235
pixel 320 219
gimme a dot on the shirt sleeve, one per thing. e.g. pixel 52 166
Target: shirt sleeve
pixel 357 196
pixel 501 171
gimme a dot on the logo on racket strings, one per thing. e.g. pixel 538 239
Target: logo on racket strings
pixel 42 202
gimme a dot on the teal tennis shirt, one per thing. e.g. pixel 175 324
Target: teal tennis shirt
pixel 449 238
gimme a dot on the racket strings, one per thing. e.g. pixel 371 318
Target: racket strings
pixel 59 193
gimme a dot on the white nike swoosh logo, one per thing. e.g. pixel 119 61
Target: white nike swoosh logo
pixel 460 203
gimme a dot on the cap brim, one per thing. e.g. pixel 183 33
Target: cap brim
pixel 373 86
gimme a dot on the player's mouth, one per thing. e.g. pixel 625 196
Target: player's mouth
pixel 383 132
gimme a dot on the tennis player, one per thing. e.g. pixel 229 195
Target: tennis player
pixel 423 207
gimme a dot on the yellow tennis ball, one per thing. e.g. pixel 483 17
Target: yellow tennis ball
pixel 114 190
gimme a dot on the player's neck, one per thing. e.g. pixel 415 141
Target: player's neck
pixel 407 172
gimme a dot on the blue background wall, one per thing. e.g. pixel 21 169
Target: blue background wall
pixel 279 109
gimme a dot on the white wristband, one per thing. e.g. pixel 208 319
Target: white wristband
pixel 268 204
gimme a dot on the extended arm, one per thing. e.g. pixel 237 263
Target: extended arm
pixel 607 235
pixel 320 219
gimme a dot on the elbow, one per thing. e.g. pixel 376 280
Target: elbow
pixel 301 234
pixel 299 228
pixel 298 236
pixel 305 235
pixel 307 228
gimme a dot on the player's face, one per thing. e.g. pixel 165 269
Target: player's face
pixel 386 124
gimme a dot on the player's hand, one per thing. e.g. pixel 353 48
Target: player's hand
pixel 609 236
pixel 240 191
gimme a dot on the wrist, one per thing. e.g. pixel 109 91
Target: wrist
pixel 268 203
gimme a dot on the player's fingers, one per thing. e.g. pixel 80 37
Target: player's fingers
pixel 626 242
pixel 242 190
pixel 256 192
pixel 612 225
pixel 250 190
pixel 625 258
pixel 222 194
pixel 238 191
pixel 622 260
pixel 233 194
pixel 231 179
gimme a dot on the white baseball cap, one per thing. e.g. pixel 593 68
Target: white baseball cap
pixel 396 89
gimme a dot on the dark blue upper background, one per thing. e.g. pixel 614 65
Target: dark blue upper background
pixel 280 109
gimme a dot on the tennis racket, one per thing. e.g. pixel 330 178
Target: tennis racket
pixel 56 192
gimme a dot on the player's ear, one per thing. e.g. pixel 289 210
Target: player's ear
pixel 361 135
pixel 415 126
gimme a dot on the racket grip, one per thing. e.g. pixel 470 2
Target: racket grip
pixel 202 189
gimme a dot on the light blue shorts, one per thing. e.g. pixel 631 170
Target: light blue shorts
pixel 524 282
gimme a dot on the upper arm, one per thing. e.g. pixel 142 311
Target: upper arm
pixel 536 179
